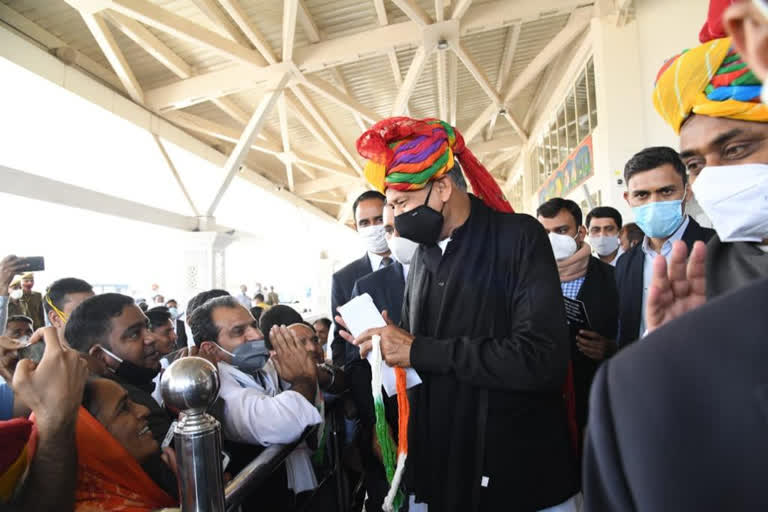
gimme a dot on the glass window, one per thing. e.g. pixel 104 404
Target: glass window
pixel 592 97
pixel 582 107
pixel 571 123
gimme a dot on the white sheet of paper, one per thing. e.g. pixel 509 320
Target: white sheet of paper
pixel 361 314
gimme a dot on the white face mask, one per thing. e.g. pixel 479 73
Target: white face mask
pixel 16 294
pixel 402 249
pixel 374 238
pixel 562 245
pixel 604 245
pixel 735 198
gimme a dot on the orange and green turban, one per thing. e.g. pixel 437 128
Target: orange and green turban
pixel 710 80
pixel 407 154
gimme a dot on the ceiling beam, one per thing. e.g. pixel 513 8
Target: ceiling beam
pixel 578 21
pixel 460 9
pixel 411 78
pixel 317 131
pixel 308 24
pixel 282 112
pixel 139 34
pixel 33 186
pixel 322 87
pixel 175 173
pixel 106 41
pixel 213 12
pixel 256 38
pixel 178 26
pixel 339 79
pixel 381 12
pixel 318 185
pixel 439 10
pixel 352 48
pixel 453 85
pixel 414 11
pixel 510 46
pixel 36 59
pixel 328 127
pixel 218 131
pixel 442 83
pixel 58 47
pixel 235 159
pixel 290 12
pixel 480 77
pixel 498 144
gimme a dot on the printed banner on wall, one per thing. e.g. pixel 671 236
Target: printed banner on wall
pixel 570 174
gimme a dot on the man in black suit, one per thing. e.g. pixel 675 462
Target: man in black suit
pixel 367 210
pixel 586 279
pixel 679 421
pixel 386 287
pixel 657 190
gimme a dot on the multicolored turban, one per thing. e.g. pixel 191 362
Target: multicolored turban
pixel 406 154
pixel 710 80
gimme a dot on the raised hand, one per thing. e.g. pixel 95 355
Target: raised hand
pixel 293 362
pixel 678 287
pixel 53 388
pixel 9 267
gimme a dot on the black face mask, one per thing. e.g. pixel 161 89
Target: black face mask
pixel 423 224
pixel 139 376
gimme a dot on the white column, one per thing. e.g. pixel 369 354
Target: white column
pixel 205 264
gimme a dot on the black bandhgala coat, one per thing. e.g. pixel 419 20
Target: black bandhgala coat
pixel 488 424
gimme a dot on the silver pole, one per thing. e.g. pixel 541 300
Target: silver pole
pixel 191 385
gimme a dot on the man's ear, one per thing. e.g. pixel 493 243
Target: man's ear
pixel 626 197
pixel 582 233
pixel 749 32
pixel 444 187
pixel 54 319
pixel 96 352
pixel 210 351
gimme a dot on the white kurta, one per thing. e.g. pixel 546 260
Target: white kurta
pixel 257 412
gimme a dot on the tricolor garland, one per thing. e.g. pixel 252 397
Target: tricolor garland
pixel 394 464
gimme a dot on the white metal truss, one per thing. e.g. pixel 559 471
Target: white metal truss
pixel 293 83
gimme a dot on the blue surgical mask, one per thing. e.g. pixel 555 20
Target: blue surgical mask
pixel 249 357
pixel 659 220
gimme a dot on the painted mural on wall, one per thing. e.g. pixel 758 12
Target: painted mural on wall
pixel 577 168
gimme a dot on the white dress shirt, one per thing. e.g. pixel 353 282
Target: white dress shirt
pixel 619 252
pixel 256 411
pixel 650 255
pixel 375 260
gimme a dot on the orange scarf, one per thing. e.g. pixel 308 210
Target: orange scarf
pixel 108 477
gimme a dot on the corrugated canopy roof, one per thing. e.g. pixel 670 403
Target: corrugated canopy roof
pixel 207 66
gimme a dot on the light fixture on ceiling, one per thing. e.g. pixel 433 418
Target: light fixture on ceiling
pixel 502 112
pixel 442 44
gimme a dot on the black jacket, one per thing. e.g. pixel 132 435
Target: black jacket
pixel 629 281
pixel 492 350
pixel 601 300
pixel 386 287
pixel 679 422
pixel 341 292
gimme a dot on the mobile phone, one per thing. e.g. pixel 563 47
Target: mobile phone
pixel 32 263
pixel 33 352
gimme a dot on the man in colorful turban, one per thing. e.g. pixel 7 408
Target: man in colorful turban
pixel 675 420
pixel 483 324
pixel 711 97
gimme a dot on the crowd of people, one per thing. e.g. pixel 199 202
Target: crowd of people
pixel 563 361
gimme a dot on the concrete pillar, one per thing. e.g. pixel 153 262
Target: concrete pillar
pixel 205 265
pixel 621 106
